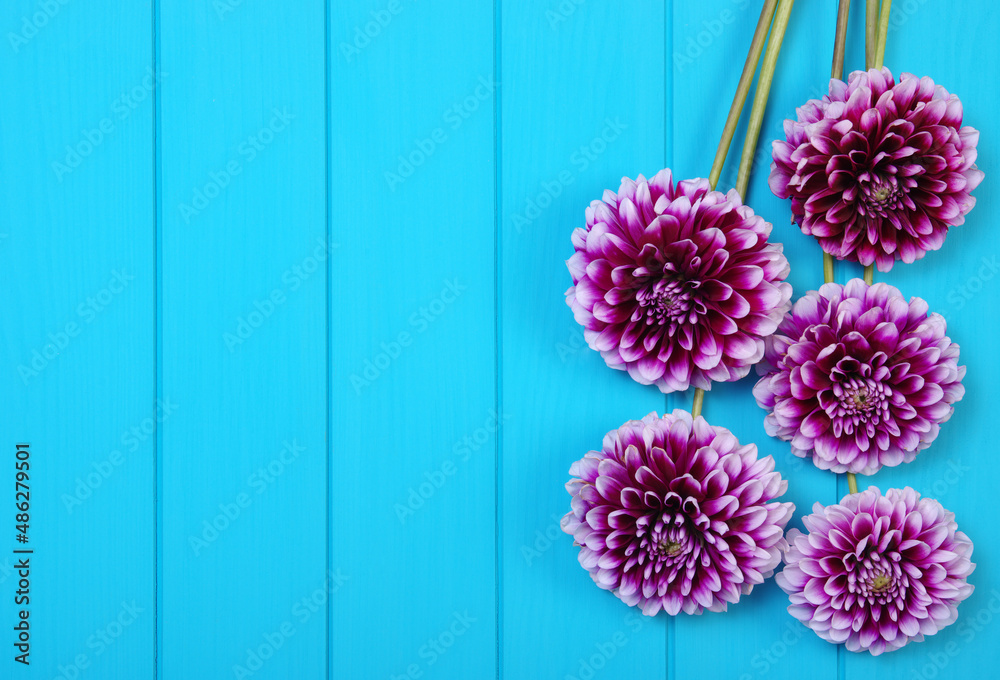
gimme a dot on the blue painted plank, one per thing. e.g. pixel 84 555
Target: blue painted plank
pixel 583 104
pixel 413 313
pixel 77 254
pixel 710 44
pixel 243 322
pixel 426 570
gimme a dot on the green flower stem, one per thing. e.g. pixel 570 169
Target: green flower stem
pixel 733 119
pixel 869 274
pixel 749 69
pixel 780 11
pixel 871 20
pixel 840 43
pixel 699 398
pixel 837 71
pixel 883 31
pixel 781 16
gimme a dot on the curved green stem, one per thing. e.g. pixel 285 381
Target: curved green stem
pixel 871 21
pixel 852 482
pixel 781 16
pixel 883 31
pixel 699 398
pixel 749 69
pixel 760 37
pixel 869 274
pixel 840 44
pixel 827 267
pixel 837 71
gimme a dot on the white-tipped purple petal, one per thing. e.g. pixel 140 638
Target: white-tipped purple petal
pixel 877 170
pixel 865 577
pixel 676 515
pixel 679 286
pixel 858 378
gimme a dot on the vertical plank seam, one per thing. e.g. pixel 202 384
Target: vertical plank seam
pixel 498 335
pixel 668 159
pixel 157 346
pixel 328 230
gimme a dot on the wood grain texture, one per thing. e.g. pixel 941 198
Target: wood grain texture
pixel 77 253
pixel 413 328
pixel 317 409
pixel 243 318
pixel 576 119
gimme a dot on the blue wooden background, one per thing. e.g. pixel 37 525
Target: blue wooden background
pixel 283 322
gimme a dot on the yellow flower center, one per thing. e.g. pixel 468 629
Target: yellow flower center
pixel 880 583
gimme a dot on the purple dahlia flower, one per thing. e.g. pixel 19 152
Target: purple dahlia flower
pixel 674 514
pixel 876 572
pixel 878 170
pixel 678 286
pixel 859 377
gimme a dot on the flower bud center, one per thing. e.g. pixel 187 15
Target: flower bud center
pixel 880 582
pixel 860 398
pixel 670 548
pixel 665 302
pixel 879 579
pixel 670 538
pixel 881 195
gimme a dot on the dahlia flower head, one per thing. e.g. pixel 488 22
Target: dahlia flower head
pixel 678 285
pixel 857 377
pixel 674 514
pixel 876 572
pixel 878 170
